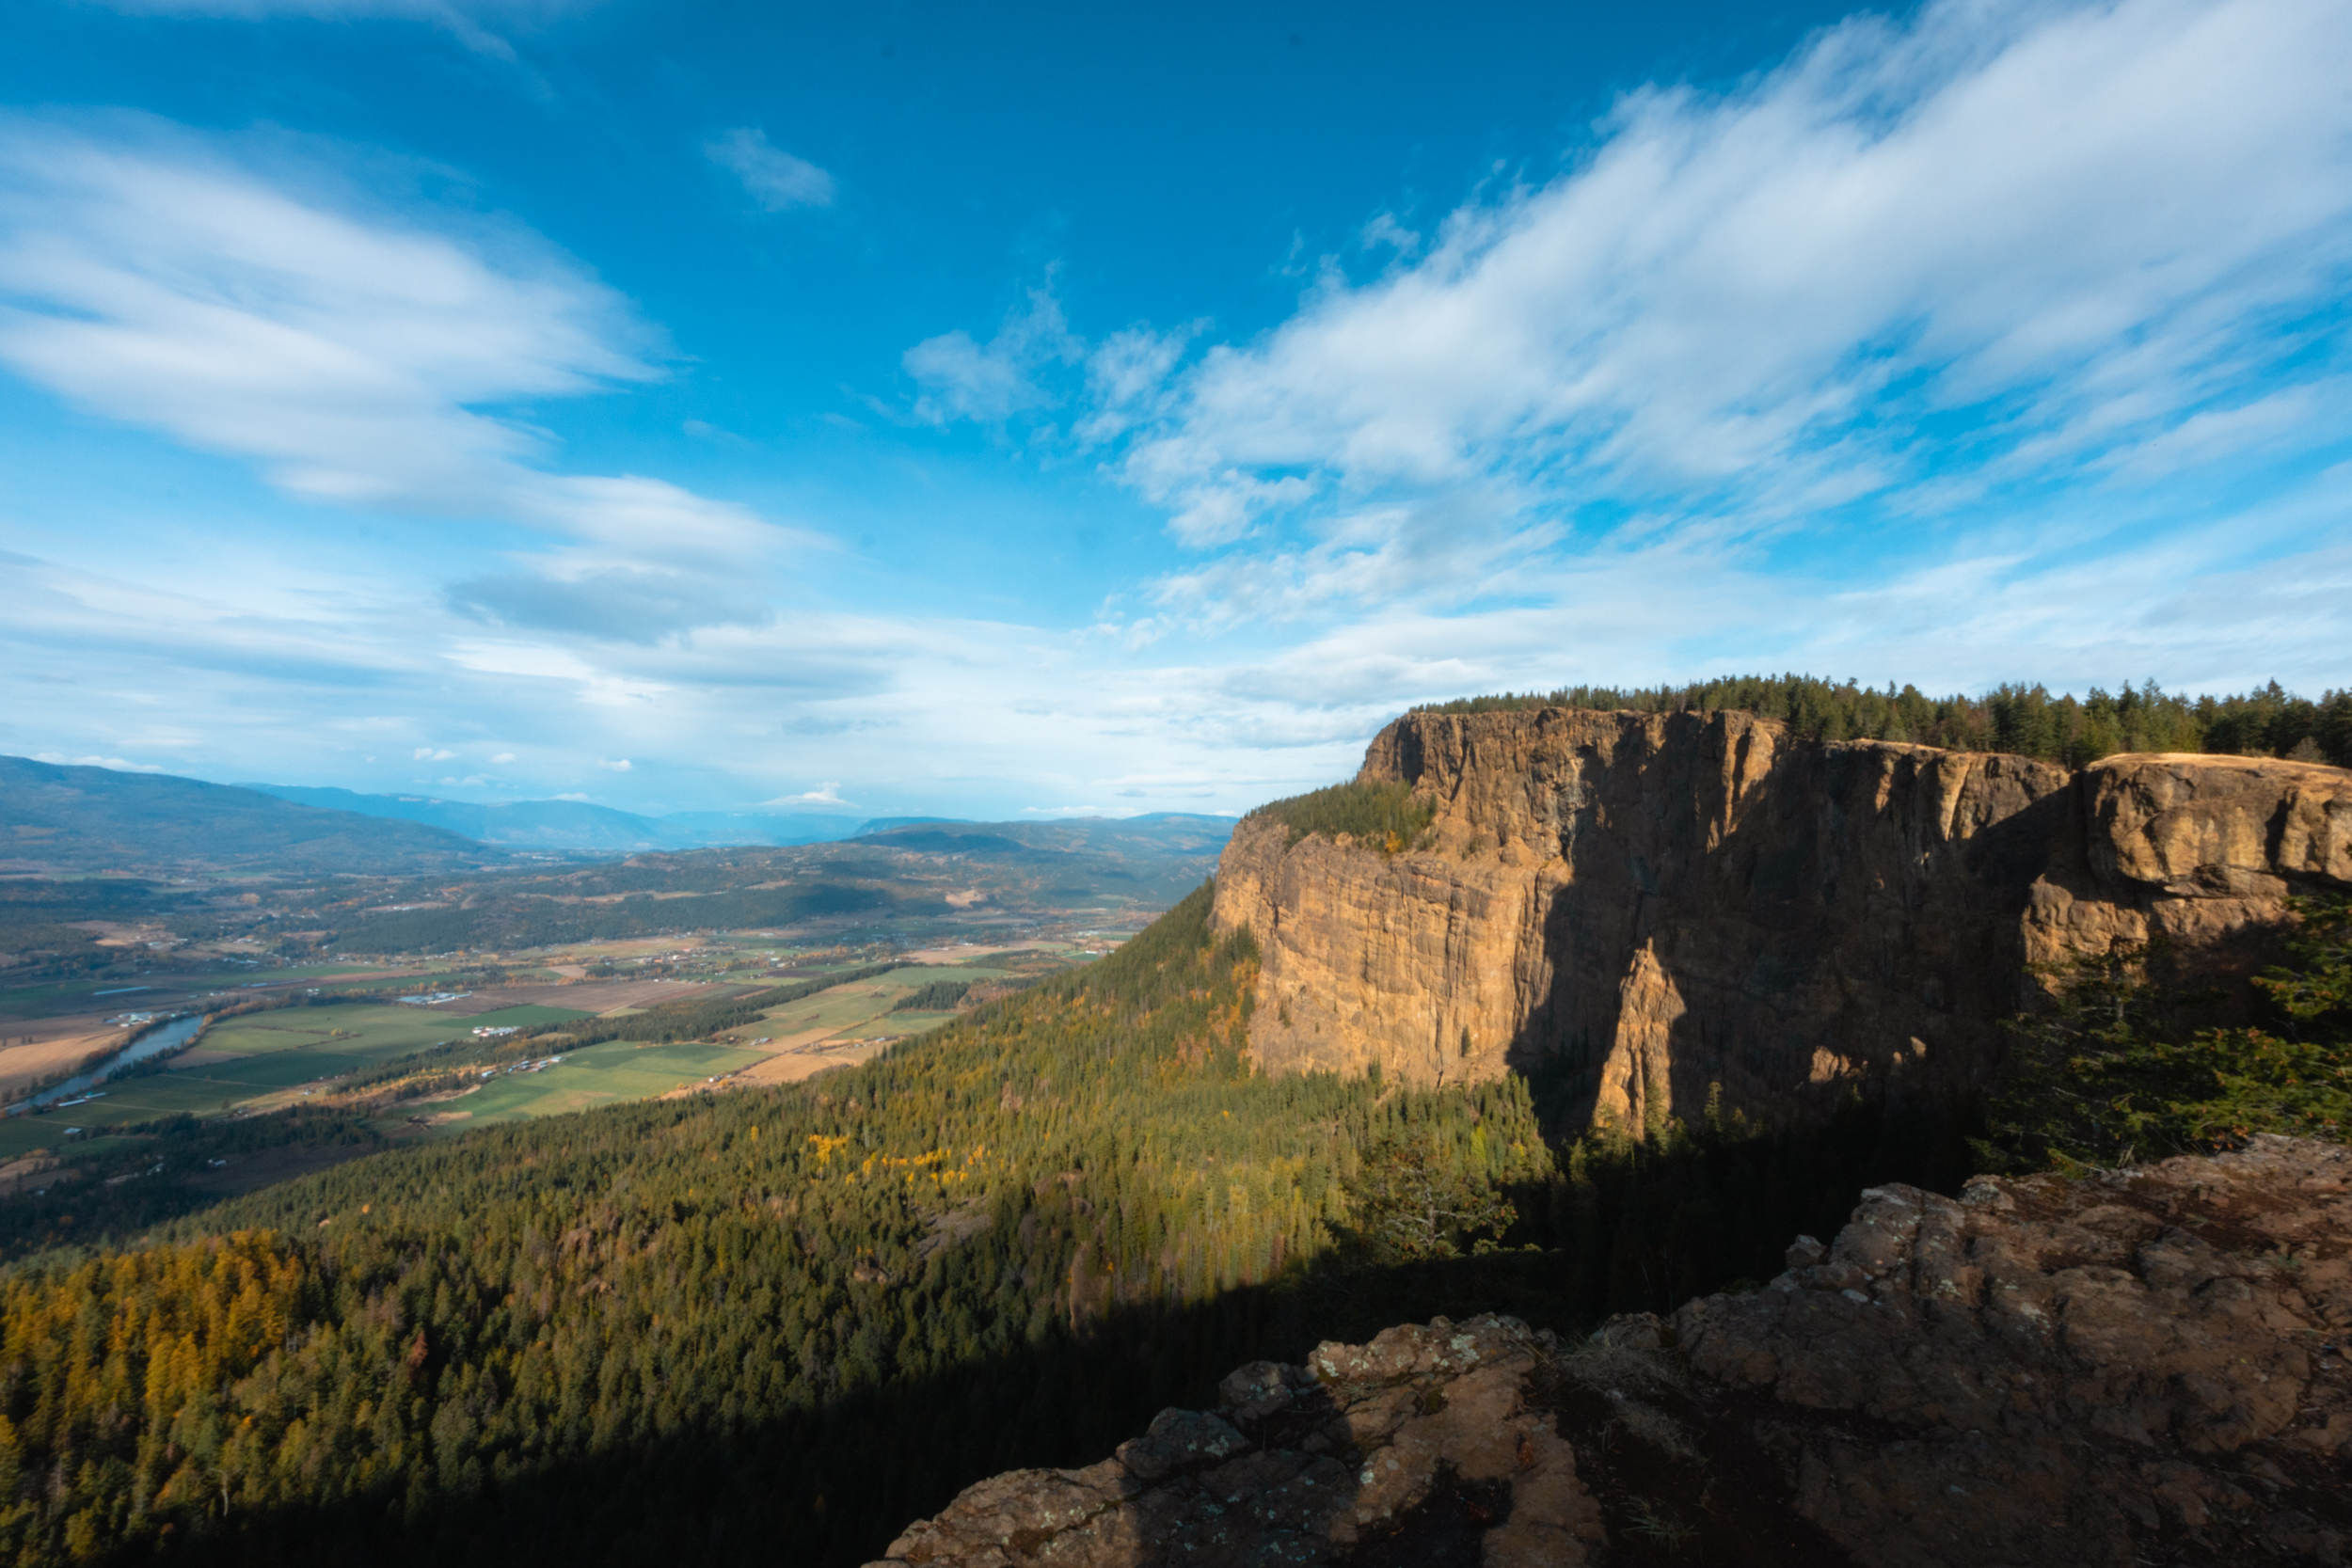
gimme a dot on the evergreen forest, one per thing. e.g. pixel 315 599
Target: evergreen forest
pixel 809 1314
pixel 813 1313
pixel 2016 718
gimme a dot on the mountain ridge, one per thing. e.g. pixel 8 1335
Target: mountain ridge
pixel 579 826
pixel 86 818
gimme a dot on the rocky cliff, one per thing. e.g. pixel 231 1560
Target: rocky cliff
pixel 1645 905
pixel 2147 1368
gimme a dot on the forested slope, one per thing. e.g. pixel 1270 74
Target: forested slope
pixel 803 1311
pixel 100 818
pixel 803 1316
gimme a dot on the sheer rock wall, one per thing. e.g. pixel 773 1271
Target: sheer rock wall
pixel 1649 905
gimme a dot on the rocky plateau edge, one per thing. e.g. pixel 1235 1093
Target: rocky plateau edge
pixel 2147 1367
pixel 1640 907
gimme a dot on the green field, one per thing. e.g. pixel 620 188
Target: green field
pixel 293 1047
pixel 283 1049
pixel 868 1001
pixel 597 1075
pixel 198 1091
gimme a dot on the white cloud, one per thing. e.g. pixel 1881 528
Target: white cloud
pixel 619 764
pixel 827 794
pixel 1588 431
pixel 501 759
pixel 426 753
pixel 775 178
pixel 2010 237
pixel 1384 230
pixel 150 277
pixel 574 795
pixel 58 759
pixel 964 379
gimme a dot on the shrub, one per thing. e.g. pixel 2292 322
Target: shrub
pixel 1386 816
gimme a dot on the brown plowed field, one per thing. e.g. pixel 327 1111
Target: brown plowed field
pixel 57 1045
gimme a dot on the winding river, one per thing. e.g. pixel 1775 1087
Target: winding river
pixel 168 1036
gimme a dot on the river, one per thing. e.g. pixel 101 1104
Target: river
pixel 168 1036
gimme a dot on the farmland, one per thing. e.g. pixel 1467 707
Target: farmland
pixel 316 1033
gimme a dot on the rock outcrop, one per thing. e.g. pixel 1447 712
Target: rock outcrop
pixel 1647 905
pixel 2145 1368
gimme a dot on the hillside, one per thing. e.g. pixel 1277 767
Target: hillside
pixel 87 820
pixel 811 1313
pixel 815 1313
pixel 575 826
pixel 926 880
pixel 794 1314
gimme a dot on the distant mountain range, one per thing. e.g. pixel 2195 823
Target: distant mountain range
pixel 79 819
pixel 576 826
pixel 100 819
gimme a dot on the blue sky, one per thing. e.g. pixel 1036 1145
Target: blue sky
pixel 999 410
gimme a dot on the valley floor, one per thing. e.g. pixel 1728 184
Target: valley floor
pixel 256 1062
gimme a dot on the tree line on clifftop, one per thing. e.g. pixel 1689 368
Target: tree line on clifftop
pixel 794 1319
pixel 2024 720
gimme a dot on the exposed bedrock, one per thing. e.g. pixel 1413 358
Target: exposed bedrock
pixel 1651 904
pixel 2144 1367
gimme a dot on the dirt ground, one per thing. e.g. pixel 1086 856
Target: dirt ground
pixel 57 1045
pixel 794 1065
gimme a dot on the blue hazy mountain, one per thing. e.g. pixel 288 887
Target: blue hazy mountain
pixel 99 818
pixel 576 826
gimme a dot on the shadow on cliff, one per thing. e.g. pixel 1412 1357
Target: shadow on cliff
pixel 1791 949
pixel 1639 1228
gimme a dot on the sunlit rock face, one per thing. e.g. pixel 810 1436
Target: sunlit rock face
pixel 1645 905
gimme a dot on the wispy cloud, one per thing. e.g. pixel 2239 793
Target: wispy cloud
pixel 151 278
pixel 58 759
pixel 772 177
pixel 2012 238
pixel 349 348
pixel 477 23
pixel 828 794
pixel 964 379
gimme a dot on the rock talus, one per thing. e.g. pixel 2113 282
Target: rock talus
pixel 2148 1367
pixel 1647 905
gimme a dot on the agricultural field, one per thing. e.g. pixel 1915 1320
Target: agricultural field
pixel 306 1053
pixel 258 1060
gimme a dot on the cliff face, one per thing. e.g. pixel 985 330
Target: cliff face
pixel 1647 905
pixel 2148 1366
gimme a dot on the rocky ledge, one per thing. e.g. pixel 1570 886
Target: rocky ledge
pixel 2143 1367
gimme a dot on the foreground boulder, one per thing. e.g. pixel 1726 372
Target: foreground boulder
pixel 2143 1367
